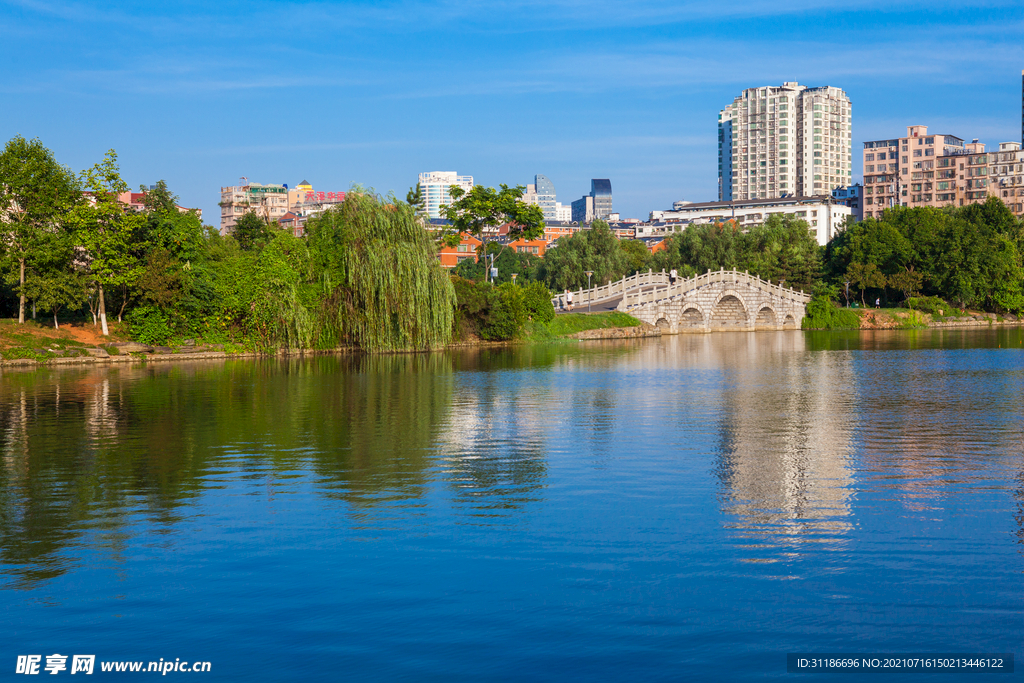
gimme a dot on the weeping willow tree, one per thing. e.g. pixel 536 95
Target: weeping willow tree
pixel 383 288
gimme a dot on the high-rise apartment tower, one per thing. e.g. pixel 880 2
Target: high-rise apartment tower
pixel 786 140
pixel 435 186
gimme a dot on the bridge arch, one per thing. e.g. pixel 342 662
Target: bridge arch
pixel 767 317
pixel 730 311
pixel 692 316
pixel 716 300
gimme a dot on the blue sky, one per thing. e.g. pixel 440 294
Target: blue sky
pixel 199 94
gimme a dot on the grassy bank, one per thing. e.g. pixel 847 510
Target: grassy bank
pixel 35 340
pixel 570 323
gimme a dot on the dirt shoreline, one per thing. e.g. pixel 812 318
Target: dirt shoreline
pixel 889 319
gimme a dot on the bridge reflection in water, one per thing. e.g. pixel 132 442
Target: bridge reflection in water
pixel 786 428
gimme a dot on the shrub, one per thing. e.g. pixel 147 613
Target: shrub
pixel 538 302
pixel 822 312
pixel 929 304
pixel 473 302
pixel 508 313
pixel 149 325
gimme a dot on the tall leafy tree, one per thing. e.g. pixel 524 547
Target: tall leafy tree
pixel 36 194
pixel 596 250
pixel 782 249
pixel 56 282
pixel 484 207
pixel 636 253
pixel 507 261
pixel 865 276
pixel 907 281
pixel 251 231
pixel 107 231
pixel 416 200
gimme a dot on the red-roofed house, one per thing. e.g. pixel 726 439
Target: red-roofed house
pixel 453 256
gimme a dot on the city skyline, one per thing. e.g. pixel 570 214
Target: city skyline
pixel 200 95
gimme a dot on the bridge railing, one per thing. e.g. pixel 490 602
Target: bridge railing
pixel 683 287
pixel 632 289
pixel 612 290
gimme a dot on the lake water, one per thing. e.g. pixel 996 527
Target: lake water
pixel 653 510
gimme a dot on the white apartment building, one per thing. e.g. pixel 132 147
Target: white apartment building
pixel 788 140
pixel 435 186
pixel 563 213
pixel 269 201
pixel 825 216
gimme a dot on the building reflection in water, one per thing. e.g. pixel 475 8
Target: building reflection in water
pixel 491 447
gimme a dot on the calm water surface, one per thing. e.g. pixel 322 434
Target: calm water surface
pixel 643 511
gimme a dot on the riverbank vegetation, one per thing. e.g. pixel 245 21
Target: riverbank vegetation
pixel 366 273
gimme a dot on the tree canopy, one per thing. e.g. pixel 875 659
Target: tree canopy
pixel 484 207
pixel 36 193
pixel 597 250
pixel 970 256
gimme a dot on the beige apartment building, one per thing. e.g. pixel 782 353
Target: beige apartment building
pixel 925 169
pixel 1006 176
pixel 269 201
pixel 788 140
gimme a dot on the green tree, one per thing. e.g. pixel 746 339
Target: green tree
pixel 181 233
pixel 907 281
pixel 161 280
pixel 508 313
pixel 508 261
pixel 416 200
pixel 36 194
pixel 637 255
pixel 782 249
pixel 537 298
pixel 107 232
pixel 380 285
pixel 55 282
pixel 700 248
pixel 597 250
pixel 251 231
pixel 865 276
pixel 484 207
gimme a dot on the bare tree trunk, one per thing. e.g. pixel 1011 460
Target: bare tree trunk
pixel 55 325
pixel 124 302
pixel 103 314
pixel 21 304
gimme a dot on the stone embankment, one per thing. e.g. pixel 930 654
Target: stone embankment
pixel 124 352
pixel 644 330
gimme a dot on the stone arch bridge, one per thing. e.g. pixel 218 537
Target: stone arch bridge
pixel 715 301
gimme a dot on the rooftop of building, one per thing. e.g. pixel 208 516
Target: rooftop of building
pixel 772 201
